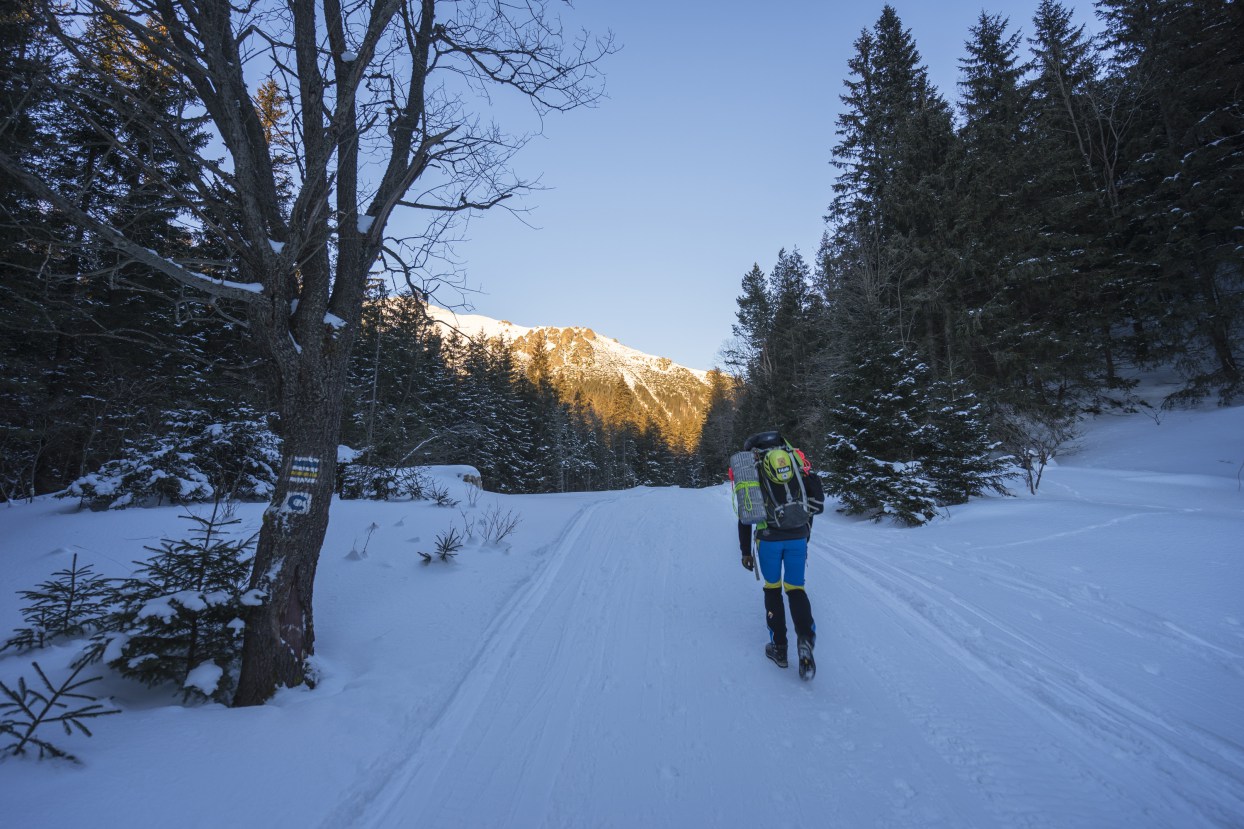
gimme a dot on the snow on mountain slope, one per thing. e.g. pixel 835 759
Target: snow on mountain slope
pixel 1071 659
pixel 476 325
pixel 606 349
pixel 582 360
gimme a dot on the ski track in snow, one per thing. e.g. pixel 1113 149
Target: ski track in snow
pixel 1111 745
pixel 1089 599
pixel 596 698
pixel 510 731
pixel 425 742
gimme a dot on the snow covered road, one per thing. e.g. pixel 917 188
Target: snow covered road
pixel 1070 660
pixel 626 687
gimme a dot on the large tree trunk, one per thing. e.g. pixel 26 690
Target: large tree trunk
pixel 280 631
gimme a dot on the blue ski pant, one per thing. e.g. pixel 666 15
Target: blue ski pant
pixel 782 565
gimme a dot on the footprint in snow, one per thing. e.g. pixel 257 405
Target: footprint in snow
pixel 904 788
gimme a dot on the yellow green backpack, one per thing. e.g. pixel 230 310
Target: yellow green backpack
pixel 767 480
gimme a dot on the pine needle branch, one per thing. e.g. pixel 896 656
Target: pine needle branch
pixel 27 709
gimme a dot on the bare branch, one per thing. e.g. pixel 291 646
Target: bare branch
pixel 460 206
pixel 144 256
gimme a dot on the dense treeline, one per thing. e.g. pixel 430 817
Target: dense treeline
pixel 419 393
pixel 95 349
pixel 990 274
pixel 105 359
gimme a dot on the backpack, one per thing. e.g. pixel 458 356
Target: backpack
pixel 773 484
pixel 782 471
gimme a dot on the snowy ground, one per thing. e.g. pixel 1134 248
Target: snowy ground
pixel 1074 659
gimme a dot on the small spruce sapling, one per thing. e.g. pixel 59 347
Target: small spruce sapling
pixel 179 614
pixel 439 495
pixel 75 602
pixel 26 709
pixel 447 546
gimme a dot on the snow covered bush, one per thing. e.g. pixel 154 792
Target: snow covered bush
pixel 146 475
pixel 178 618
pixel 363 481
pixel 240 456
pixel 196 459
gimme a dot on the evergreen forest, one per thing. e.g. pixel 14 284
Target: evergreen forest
pixel 994 267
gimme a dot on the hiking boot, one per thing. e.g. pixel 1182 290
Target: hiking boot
pixel 807 665
pixel 778 655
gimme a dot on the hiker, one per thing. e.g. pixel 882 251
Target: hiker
pixel 791 495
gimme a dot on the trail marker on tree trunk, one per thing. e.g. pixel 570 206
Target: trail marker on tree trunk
pixel 297 503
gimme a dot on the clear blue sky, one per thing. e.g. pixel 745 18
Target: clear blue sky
pixel 710 153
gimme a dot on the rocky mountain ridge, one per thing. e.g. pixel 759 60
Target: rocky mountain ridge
pixel 619 382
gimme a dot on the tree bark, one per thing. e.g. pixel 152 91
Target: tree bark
pixel 280 631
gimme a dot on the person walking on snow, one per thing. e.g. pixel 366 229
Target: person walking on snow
pixel 780 543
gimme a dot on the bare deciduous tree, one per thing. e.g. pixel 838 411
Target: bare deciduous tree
pixel 383 97
pixel 1034 439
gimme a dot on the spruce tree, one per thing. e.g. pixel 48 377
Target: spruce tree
pixel 1180 193
pixel 179 616
pixel 74 602
pixel 754 318
pixel 989 300
pixel 961 456
pixel 895 139
pixel 872 459
pixel 906 444
pixel 1073 208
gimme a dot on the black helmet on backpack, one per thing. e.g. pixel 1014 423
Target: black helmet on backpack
pixel 764 440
